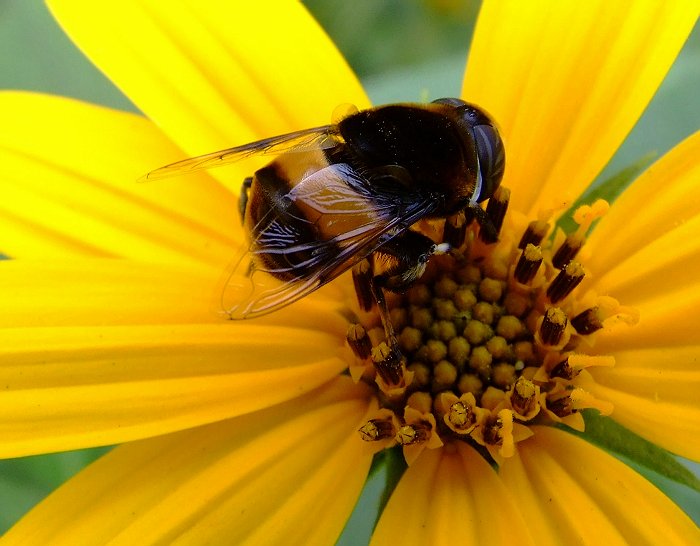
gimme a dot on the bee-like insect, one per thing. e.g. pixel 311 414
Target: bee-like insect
pixel 338 194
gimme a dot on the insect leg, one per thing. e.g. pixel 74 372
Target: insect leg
pixel 388 360
pixel 243 198
pixel 386 356
pixel 496 212
pixel 491 219
pixel 404 259
pixel 396 265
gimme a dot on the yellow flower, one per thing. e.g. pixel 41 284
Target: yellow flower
pixel 245 432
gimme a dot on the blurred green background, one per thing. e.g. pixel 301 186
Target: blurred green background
pixel 402 50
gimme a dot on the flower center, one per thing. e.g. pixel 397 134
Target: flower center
pixel 491 339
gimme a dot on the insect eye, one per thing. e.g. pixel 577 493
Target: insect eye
pixel 492 159
pixel 488 143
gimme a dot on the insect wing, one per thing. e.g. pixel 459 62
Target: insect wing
pixel 352 220
pixel 306 140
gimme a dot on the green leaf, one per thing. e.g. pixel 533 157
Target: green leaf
pixel 613 437
pixel 36 55
pixel 26 481
pixel 387 468
pixel 394 465
pixel 441 77
pixel 610 189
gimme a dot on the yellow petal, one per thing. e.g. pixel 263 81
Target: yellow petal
pixel 664 268
pixel 566 81
pixel 108 351
pixel 669 323
pixel 95 292
pixel 647 246
pixel 646 253
pixel 215 74
pixel 290 474
pixel 574 493
pixel 654 391
pixel 70 188
pixel 449 493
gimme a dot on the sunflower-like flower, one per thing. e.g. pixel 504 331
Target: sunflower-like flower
pixel 246 432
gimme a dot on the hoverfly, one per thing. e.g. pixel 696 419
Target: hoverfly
pixel 338 194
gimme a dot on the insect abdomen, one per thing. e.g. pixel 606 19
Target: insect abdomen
pixel 279 230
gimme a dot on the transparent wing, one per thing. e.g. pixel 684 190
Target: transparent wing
pixel 315 138
pixel 350 220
